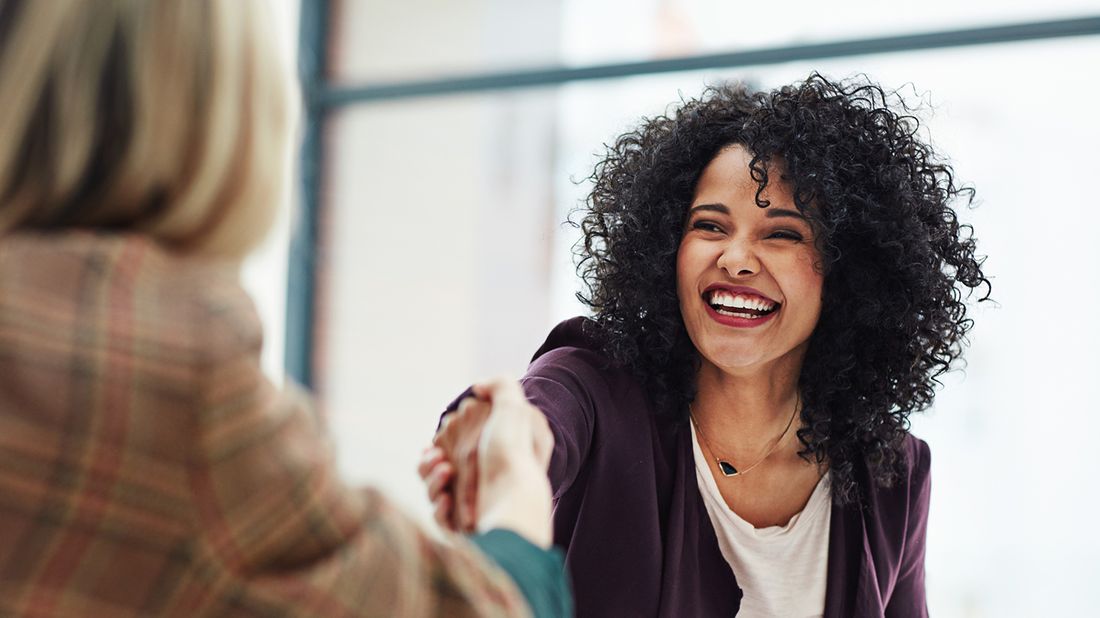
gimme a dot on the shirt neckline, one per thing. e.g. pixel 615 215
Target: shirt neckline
pixel 818 500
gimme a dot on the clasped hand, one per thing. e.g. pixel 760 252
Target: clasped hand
pixel 487 465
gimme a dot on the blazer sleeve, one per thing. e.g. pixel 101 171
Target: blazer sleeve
pixel 565 385
pixel 280 533
pixel 908 599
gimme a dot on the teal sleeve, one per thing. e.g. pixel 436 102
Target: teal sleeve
pixel 538 573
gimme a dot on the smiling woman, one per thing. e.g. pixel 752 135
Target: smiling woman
pixel 776 280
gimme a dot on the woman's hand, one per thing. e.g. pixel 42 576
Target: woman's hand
pixel 488 466
pixel 438 476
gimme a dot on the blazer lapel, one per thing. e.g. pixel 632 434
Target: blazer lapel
pixel 712 590
pixel 852 583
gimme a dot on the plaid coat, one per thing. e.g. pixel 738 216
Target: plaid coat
pixel 147 467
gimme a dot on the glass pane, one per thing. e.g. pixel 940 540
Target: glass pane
pixel 420 39
pixel 598 31
pixel 440 243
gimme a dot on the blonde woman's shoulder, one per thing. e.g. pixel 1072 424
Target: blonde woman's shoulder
pixel 98 292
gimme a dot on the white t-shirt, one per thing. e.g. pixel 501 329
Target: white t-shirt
pixel 781 569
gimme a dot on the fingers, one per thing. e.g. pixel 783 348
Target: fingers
pixel 499 388
pixel 428 460
pixel 466 492
pixel 438 475
pixel 466 485
pixel 439 480
pixel 466 404
pixel 457 445
pixel 443 512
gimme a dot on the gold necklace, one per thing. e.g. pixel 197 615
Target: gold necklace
pixel 725 466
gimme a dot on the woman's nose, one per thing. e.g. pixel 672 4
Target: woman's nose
pixel 739 259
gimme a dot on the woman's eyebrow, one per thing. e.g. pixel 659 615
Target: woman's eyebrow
pixel 710 207
pixel 772 213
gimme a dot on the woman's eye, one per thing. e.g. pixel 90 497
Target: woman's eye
pixel 786 235
pixel 706 226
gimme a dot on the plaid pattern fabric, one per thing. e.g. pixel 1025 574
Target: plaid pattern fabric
pixel 147 467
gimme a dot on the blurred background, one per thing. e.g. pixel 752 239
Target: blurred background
pixel 423 247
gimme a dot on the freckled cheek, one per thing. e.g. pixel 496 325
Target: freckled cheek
pixel 687 272
pixel 810 286
pixel 802 284
pixel 810 283
pixel 810 274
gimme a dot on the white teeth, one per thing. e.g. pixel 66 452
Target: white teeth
pixel 726 299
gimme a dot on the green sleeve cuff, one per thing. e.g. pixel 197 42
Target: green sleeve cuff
pixel 539 573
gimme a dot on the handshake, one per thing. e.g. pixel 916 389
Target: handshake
pixel 487 465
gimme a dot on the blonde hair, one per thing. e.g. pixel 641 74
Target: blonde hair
pixel 167 117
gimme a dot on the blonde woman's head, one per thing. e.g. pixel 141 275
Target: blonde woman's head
pixel 166 117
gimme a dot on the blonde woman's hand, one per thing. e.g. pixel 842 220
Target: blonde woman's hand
pixel 514 451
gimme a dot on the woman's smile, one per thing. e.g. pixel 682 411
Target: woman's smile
pixel 739 306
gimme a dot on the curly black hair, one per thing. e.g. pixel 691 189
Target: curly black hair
pixel 896 259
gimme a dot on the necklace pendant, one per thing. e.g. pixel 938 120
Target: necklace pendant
pixel 727 468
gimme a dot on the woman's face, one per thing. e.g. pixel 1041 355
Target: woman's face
pixel 748 278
